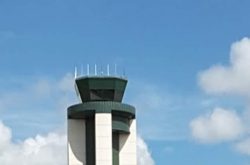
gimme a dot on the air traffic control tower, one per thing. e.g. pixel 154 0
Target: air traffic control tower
pixel 101 129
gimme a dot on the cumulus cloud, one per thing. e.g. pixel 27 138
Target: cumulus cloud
pixel 49 149
pixel 5 136
pixel 143 155
pixel 231 79
pixel 220 125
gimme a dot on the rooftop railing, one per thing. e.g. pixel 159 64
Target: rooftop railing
pixel 91 71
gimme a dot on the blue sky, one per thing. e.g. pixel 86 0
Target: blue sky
pixel 175 54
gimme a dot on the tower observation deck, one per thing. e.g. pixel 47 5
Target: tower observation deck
pixel 101 129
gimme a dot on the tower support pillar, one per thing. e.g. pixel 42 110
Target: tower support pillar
pixel 103 138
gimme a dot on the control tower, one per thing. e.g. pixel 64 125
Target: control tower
pixel 101 129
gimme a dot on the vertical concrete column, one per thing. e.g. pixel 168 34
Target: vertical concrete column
pixel 127 144
pixel 103 138
pixel 76 142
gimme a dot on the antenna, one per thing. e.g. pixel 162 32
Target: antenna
pixel 75 72
pixel 108 69
pixel 95 70
pixel 88 69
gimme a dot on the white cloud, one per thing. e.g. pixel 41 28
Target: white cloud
pixel 5 137
pixel 49 149
pixel 232 79
pixel 243 146
pixel 220 125
pixel 143 155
